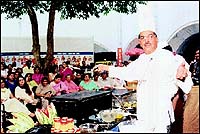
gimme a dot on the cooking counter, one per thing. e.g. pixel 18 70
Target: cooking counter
pixel 82 104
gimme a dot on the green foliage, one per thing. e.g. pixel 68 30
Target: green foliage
pixel 69 9
pixel 84 9
pixel 15 9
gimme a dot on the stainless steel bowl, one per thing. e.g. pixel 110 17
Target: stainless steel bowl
pixel 110 115
pixel 88 128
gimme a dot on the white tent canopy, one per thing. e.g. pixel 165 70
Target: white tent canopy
pixel 61 44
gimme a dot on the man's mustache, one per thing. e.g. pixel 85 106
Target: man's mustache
pixel 147 43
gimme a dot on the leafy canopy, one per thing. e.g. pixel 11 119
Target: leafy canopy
pixel 69 9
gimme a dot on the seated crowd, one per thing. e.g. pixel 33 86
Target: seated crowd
pixel 29 87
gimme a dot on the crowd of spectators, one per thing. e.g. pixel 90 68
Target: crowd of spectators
pixel 33 87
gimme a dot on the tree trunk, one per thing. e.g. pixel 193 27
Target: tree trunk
pixel 50 38
pixel 35 34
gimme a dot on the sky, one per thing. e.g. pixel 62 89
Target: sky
pixel 114 30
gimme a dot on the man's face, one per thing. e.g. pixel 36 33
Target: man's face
pixel 57 80
pixel 78 75
pixel 104 76
pixel 87 77
pixel 148 41
pixel 11 77
pixel 37 70
pixel 68 78
pixel 64 65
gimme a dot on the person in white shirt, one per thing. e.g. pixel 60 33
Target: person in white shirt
pixel 10 102
pixel 23 91
pixel 158 73
pixel 4 71
pixel 105 82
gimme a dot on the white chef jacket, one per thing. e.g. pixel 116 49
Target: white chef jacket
pixel 157 84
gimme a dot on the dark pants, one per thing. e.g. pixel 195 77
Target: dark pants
pixel 31 108
pixel 177 126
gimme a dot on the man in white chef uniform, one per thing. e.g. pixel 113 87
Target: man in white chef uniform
pixel 158 73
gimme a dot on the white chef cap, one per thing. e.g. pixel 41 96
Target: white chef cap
pixel 146 21
pixel 147 27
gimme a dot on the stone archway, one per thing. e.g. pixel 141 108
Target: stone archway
pixel 185 40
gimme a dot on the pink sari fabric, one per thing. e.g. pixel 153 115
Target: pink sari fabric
pixel 65 72
pixel 58 87
pixel 37 78
pixel 72 87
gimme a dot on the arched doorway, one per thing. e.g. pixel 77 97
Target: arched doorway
pixel 188 48
pixel 185 40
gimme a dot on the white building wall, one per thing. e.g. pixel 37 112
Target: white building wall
pixel 172 15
